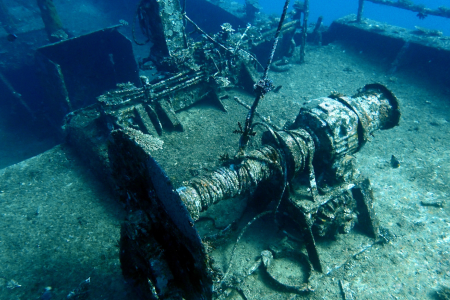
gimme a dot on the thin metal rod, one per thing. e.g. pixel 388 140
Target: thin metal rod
pixel 275 42
pixel 16 95
pixel 207 35
pixel 305 30
pixel 265 120
pixel 230 264
pixel 184 24
pixel 219 44
pixel 286 27
pixel 262 87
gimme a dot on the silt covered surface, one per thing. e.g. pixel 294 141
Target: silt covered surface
pixel 60 226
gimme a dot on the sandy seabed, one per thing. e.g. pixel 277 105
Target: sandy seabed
pixel 60 225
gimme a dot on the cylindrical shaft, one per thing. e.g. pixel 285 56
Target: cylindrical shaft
pixel 334 123
pixel 360 10
pixel 52 22
pixel 225 183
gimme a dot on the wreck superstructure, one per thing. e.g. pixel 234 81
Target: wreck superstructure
pixel 177 260
pixel 303 174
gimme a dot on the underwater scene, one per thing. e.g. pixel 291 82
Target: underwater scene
pixel 217 149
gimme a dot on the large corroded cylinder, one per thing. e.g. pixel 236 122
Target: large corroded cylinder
pixel 333 126
pixel 162 252
pixel 224 183
pixel 284 151
pixel 326 129
pixel 340 125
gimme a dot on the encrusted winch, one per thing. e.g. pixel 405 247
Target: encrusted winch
pixel 321 193
pixel 303 175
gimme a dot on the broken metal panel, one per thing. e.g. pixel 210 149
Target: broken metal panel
pixel 144 185
pixel 84 67
pixel 367 218
pixel 88 134
pixel 424 46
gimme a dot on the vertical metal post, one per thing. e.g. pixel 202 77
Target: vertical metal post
pixel 263 86
pixel 52 22
pixel 316 34
pixel 360 11
pixel 184 24
pixel 305 30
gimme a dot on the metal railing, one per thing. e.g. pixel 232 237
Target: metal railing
pixel 422 10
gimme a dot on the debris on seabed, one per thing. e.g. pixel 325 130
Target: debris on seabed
pixel 438 204
pixel 12 284
pixel 395 163
pixel 81 292
pixel 345 289
pixel 47 295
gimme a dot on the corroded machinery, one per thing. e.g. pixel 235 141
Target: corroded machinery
pixel 309 165
pixel 303 175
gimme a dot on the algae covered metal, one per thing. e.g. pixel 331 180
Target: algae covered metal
pixel 75 71
pixel 320 141
pixel 304 175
